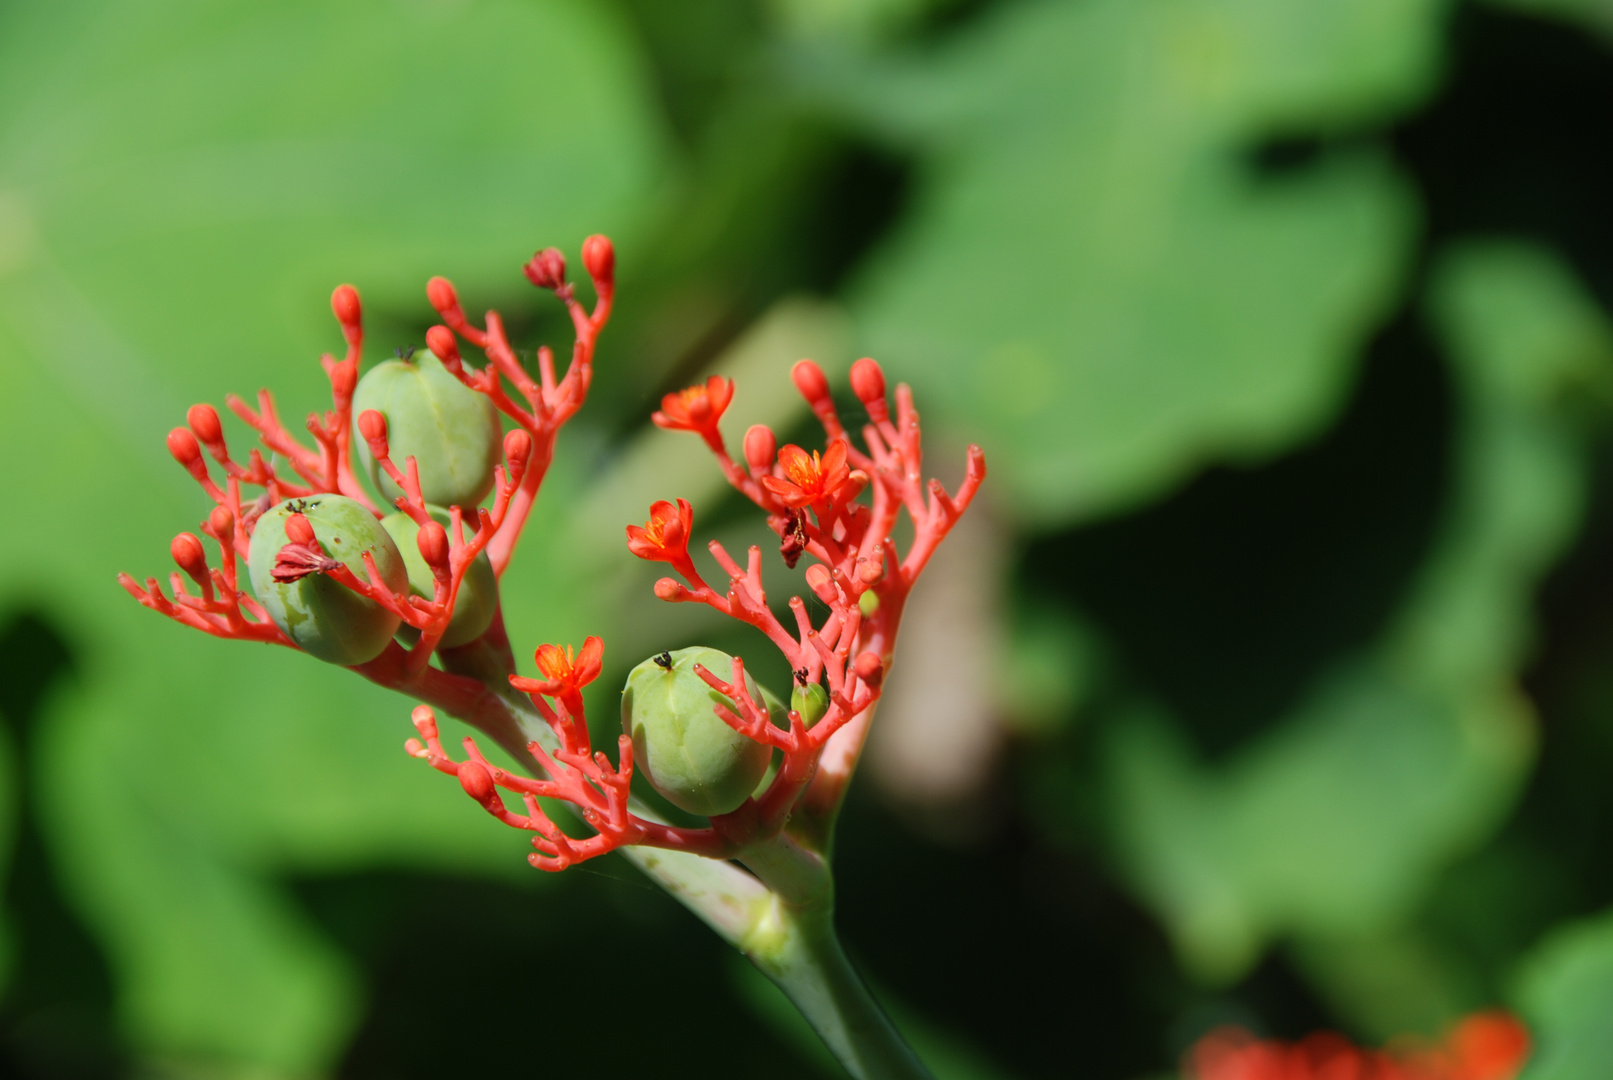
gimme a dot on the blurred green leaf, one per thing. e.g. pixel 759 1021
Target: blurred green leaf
pixel 1102 288
pixel 1566 993
pixel 1332 826
pixel 181 184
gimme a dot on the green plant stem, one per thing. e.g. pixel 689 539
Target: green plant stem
pixel 793 943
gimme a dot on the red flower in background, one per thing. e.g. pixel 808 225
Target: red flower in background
pixel 1485 1046
pixel 697 408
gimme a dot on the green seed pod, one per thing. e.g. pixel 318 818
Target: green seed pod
pixel 680 744
pixel 451 431
pixel 478 593
pixel 324 617
pixel 811 701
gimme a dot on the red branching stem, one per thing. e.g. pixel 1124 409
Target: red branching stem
pixel 549 402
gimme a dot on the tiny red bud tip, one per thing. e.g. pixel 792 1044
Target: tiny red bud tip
pixel 599 258
pixel 870 572
pixel 867 381
pixel 372 425
pixel 298 530
pixel 443 345
pixel 182 444
pixel 517 448
pixel 433 542
pixel 221 521
pixel 760 447
pixel 667 589
pixel 344 303
pixel 546 269
pixel 187 552
pixel 476 782
pixel 869 669
pixel 820 582
pixel 203 420
pixel 440 293
pixel 810 381
pixel 424 719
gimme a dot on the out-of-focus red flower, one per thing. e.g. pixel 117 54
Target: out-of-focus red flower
pixel 697 408
pixel 1485 1046
pixel 809 478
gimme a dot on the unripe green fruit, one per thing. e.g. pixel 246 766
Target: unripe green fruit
pixel 324 617
pixel 478 593
pixel 451 431
pixel 811 701
pixel 680 744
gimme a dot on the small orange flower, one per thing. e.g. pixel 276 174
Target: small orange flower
pixel 696 409
pixel 665 537
pixel 569 672
pixel 810 479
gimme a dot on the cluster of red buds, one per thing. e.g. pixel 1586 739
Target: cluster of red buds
pixel 1485 1046
pixel 336 576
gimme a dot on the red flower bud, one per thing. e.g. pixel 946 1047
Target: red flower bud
pixel 810 381
pixel 517 448
pixel 433 542
pixel 221 521
pixel 440 292
pixel 182 444
pixel 203 420
pixel 546 269
pixel 869 669
pixel 868 381
pixel 344 303
pixel 444 346
pixel 820 581
pixel 760 446
pixel 599 258
pixel 474 778
pixel 372 425
pixel 187 552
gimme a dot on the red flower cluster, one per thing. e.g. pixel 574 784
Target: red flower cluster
pixel 1486 1046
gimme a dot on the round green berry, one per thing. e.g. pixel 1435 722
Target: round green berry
pixel 811 701
pixel 683 748
pixel 450 430
pixel 477 601
pixel 322 616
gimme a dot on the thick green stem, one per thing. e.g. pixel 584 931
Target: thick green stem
pixel 793 943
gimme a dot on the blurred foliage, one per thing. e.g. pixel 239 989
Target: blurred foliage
pixel 1282 326
pixel 1096 277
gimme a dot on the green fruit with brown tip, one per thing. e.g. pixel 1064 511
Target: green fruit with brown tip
pixel 450 430
pixel 681 746
pixel 477 601
pixel 322 616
